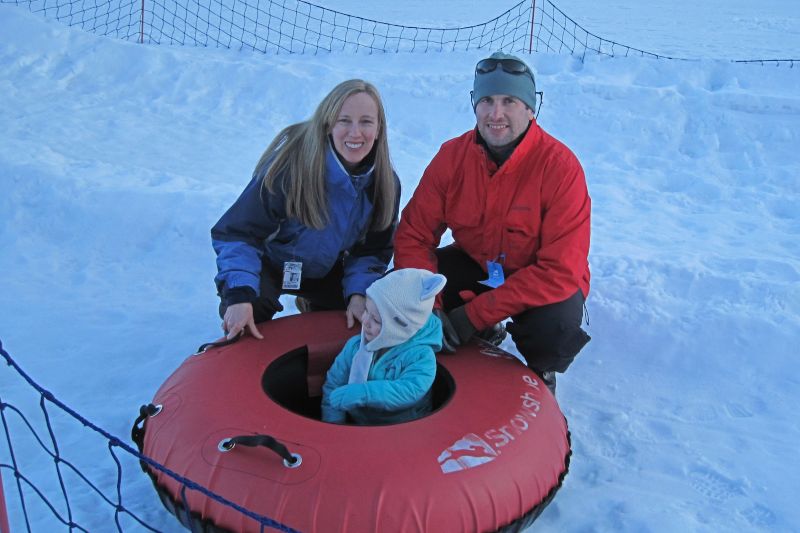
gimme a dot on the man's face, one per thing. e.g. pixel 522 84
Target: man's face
pixel 501 119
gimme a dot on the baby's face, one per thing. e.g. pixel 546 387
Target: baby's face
pixel 370 321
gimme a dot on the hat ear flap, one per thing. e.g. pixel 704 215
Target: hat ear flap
pixel 431 285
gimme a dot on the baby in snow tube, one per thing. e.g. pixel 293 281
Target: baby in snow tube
pixel 385 374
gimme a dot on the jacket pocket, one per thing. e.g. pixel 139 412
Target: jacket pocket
pixel 393 370
pixel 521 237
pixel 463 211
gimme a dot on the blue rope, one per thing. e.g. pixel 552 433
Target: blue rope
pixel 113 442
pixel 14 467
pixel 59 459
pixel 20 477
pixel 56 459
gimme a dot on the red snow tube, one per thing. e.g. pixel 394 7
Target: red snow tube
pixel 490 457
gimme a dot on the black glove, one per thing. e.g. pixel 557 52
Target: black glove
pixel 450 340
pixel 456 328
pixel 461 324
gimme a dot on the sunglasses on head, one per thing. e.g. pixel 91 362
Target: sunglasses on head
pixel 511 66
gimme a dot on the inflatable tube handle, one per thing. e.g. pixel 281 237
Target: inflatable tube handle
pixel 137 431
pixel 289 459
pixel 217 344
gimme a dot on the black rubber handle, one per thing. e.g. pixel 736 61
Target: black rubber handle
pixel 266 441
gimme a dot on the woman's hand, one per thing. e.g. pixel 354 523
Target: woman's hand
pixel 238 319
pixel 355 309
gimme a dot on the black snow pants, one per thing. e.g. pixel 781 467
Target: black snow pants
pixel 548 337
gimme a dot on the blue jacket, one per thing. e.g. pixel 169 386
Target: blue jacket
pixel 256 227
pixel 398 387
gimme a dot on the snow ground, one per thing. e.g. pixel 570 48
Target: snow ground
pixel 117 158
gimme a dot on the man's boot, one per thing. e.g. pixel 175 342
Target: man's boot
pixel 303 304
pixel 549 379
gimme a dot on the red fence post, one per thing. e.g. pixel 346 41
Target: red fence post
pixel 3 512
pixel 141 25
pixel 533 13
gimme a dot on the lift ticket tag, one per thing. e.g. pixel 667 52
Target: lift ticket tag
pixel 292 272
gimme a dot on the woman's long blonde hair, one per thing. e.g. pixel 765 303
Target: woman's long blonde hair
pixel 299 150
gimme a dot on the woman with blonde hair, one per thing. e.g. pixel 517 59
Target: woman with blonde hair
pixel 317 219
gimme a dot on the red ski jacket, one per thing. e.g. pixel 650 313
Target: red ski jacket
pixel 532 215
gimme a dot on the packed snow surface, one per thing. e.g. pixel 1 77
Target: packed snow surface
pixel 118 157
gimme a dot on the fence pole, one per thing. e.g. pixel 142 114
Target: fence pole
pixel 141 25
pixel 3 512
pixel 533 13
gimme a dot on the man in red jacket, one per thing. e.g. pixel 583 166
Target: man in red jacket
pixel 516 201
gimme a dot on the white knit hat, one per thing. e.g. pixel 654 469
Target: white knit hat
pixel 404 299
